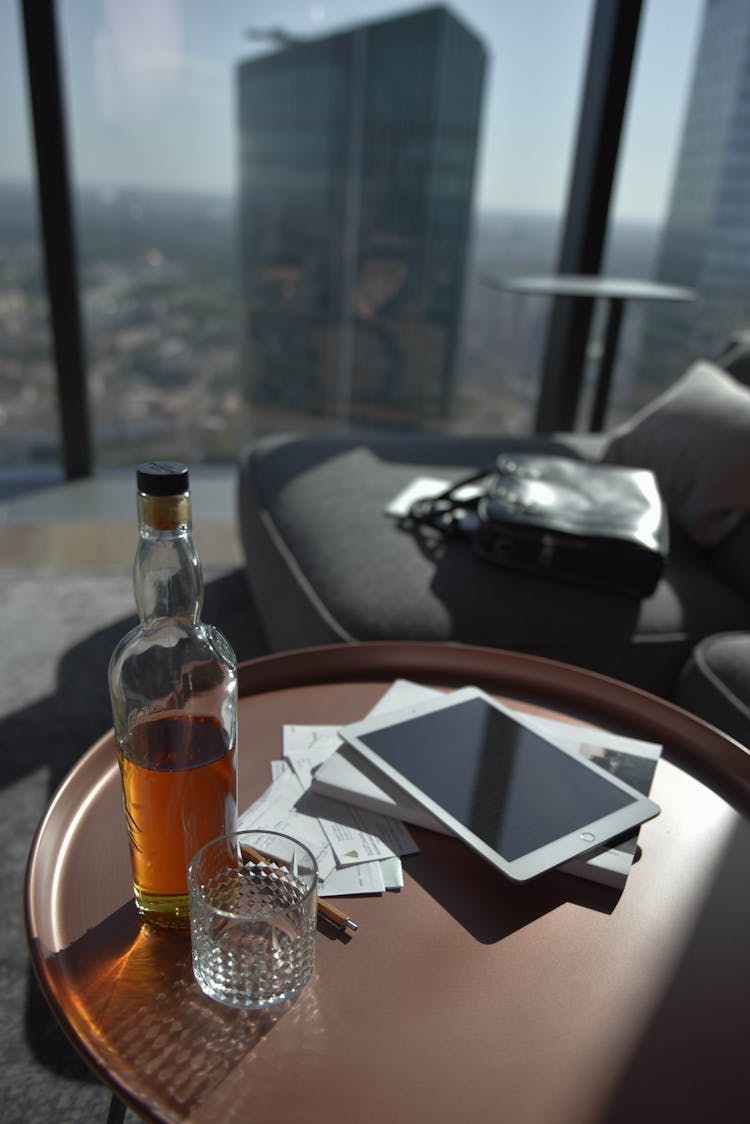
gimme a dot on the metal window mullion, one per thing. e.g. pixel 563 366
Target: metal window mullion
pixel 58 235
pixel 605 93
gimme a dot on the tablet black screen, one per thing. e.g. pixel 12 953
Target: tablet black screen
pixel 509 786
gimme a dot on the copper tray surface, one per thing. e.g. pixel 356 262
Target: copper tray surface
pixel 464 996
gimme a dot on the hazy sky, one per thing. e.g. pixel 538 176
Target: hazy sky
pixel 150 87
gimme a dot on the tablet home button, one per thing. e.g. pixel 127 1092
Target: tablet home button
pixel 587 836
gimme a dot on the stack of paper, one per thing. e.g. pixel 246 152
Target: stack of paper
pixel 357 851
pixel 352 816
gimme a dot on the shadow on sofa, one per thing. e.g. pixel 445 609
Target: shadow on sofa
pixel 325 563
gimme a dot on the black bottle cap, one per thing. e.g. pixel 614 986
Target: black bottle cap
pixel 162 478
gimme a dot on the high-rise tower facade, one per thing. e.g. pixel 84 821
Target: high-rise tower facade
pixel 357 159
pixel 706 238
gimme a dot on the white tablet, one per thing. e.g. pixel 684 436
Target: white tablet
pixel 523 803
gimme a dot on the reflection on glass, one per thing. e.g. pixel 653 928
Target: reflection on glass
pixel 358 156
pixel 393 323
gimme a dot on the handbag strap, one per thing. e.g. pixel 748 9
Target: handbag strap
pixel 447 513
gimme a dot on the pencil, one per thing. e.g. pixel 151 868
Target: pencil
pixel 336 916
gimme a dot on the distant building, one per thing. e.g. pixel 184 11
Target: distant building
pixel 357 157
pixel 706 238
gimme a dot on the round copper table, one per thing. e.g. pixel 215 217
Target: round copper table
pixel 462 997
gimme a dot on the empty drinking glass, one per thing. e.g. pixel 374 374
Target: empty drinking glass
pixel 253 914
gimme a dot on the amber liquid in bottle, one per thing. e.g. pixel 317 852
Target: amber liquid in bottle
pixel 179 783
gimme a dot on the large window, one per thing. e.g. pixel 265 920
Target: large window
pixel 655 126
pixel 295 229
pixel 295 219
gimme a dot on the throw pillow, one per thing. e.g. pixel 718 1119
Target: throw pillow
pixel 695 438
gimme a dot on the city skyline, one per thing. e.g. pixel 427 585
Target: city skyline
pixel 151 99
pixel 162 331
pixel 705 241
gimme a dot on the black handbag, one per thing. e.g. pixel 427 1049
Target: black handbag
pixel 573 520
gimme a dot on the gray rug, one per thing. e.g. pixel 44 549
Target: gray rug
pixel 58 631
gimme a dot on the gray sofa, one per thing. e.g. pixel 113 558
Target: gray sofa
pixel 325 564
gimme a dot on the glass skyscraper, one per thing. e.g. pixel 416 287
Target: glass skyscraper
pixel 706 239
pixel 357 158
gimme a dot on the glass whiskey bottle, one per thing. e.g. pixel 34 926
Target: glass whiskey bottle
pixel 173 687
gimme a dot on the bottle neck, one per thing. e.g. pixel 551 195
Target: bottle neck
pixel 167 576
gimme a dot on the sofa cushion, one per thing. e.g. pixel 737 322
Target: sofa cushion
pixel 325 564
pixel 715 684
pixel 731 559
pixel 696 439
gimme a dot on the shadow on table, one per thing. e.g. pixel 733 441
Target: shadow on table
pixel 483 901
pixel 131 994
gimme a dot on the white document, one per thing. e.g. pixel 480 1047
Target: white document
pixel 366 878
pixel 288 807
pixel 305 748
pixel 276 810
pixel 346 776
pixel 357 835
pixel 393 873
